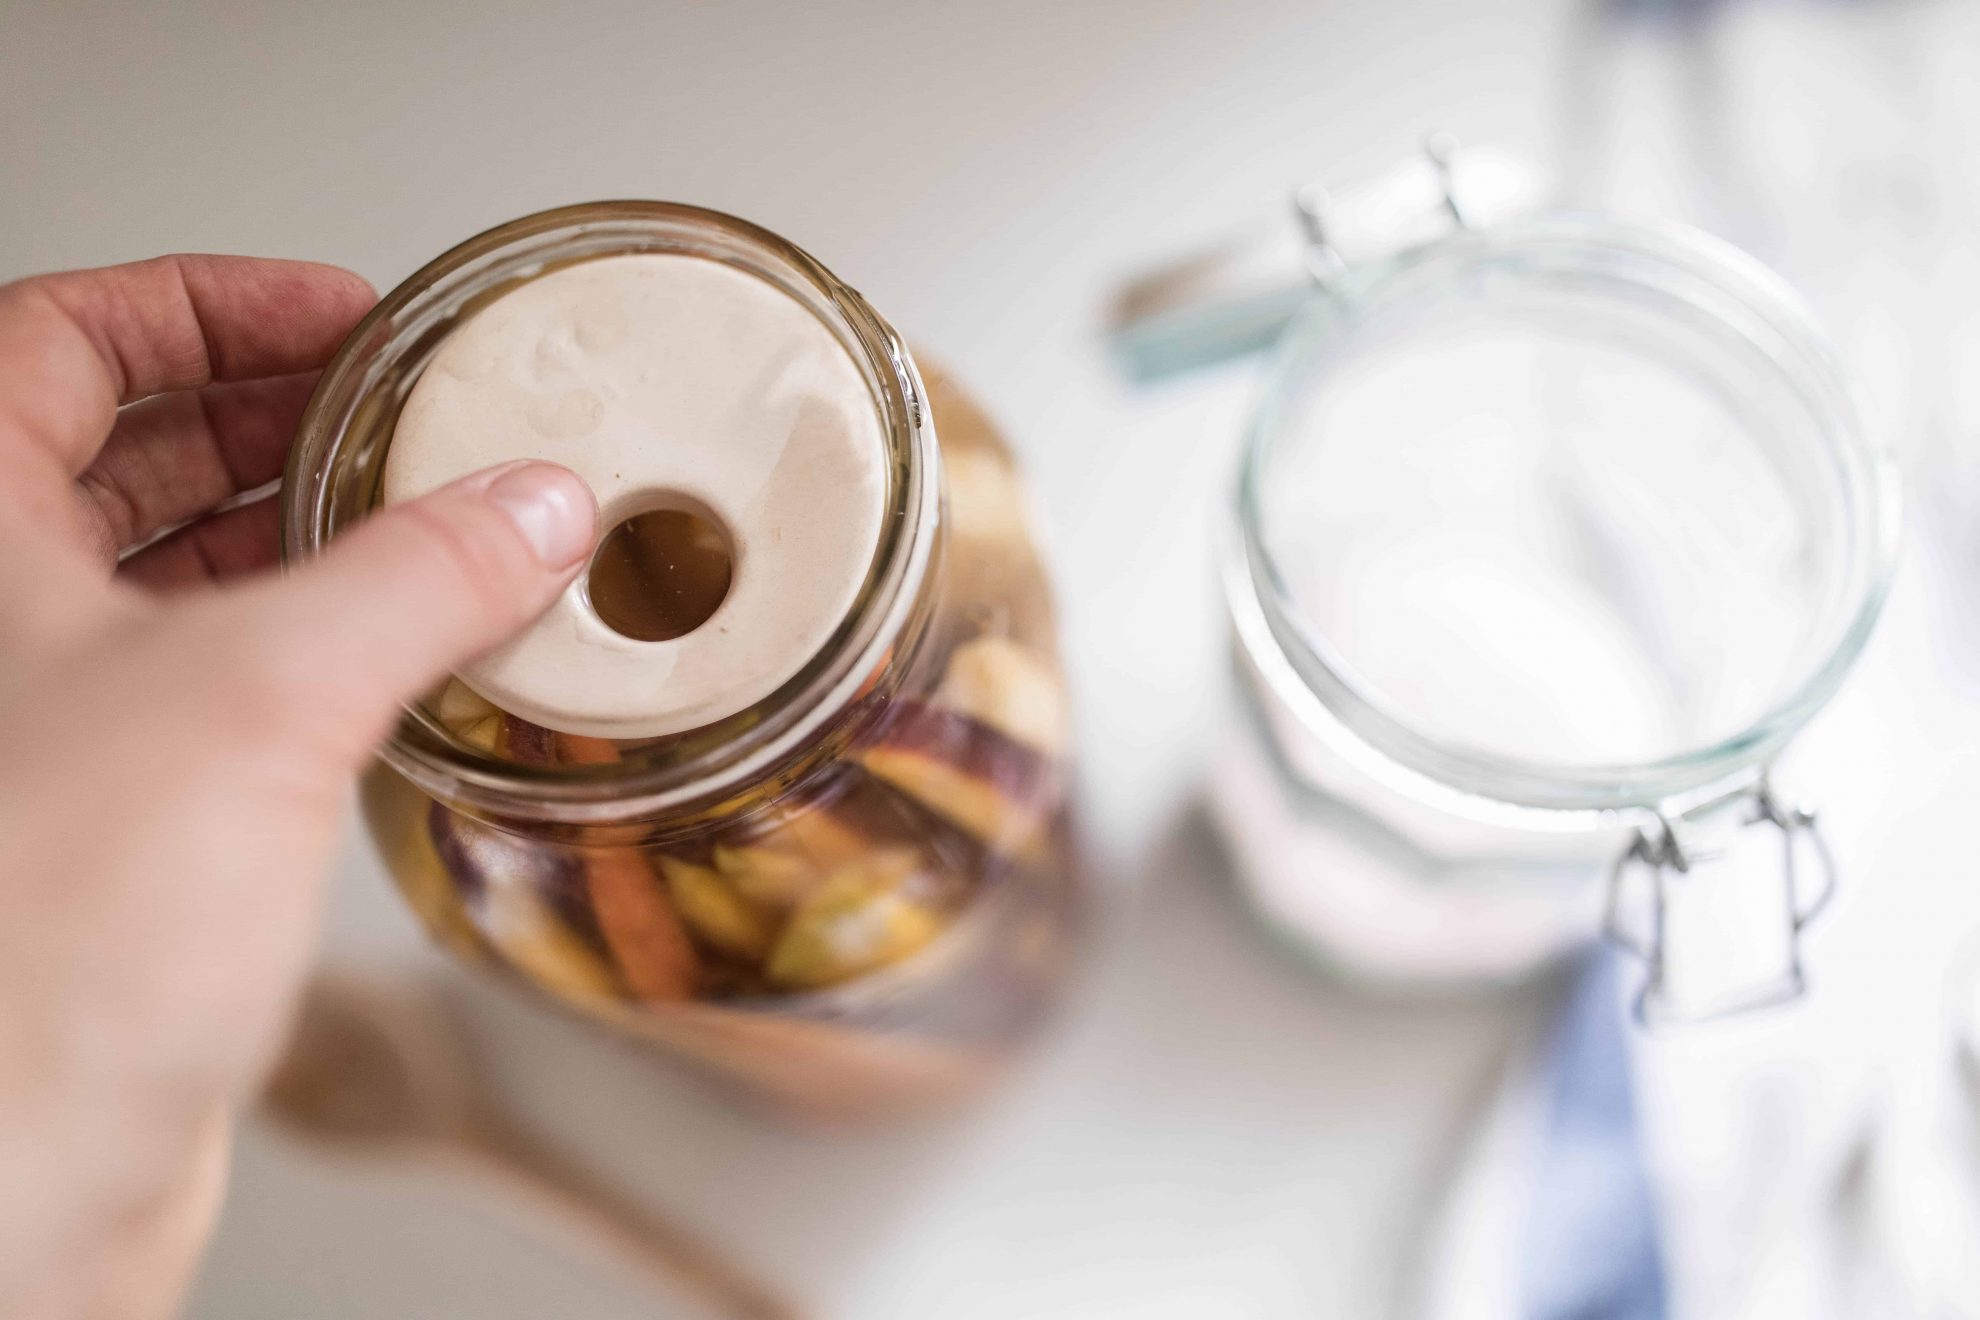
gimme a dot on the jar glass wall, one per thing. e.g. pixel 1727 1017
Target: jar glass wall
pixel 853 896
pixel 1548 533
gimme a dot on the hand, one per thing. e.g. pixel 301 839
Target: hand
pixel 178 727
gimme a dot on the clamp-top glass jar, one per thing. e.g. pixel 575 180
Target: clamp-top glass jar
pixel 853 895
pixel 1551 533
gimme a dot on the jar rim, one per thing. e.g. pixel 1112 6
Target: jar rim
pixel 396 340
pixel 1307 675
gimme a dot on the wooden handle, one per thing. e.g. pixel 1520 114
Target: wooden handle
pixel 664 1250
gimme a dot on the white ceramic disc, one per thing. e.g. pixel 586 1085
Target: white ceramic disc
pixel 663 381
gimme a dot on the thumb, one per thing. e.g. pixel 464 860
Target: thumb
pixel 420 588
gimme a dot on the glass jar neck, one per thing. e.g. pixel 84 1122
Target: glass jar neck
pixel 1703 283
pixel 334 470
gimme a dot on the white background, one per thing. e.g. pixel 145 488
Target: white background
pixel 1214 1129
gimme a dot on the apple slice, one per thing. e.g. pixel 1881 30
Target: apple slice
pixel 864 917
pixel 714 912
pixel 775 869
pixel 771 879
pixel 459 705
pixel 468 715
pixel 992 576
pixel 1011 688
pixel 987 501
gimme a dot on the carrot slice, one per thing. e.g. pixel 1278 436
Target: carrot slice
pixel 645 934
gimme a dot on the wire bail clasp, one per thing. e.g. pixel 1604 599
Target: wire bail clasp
pixel 1315 209
pixel 1716 920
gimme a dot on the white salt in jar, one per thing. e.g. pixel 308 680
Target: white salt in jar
pixel 1550 535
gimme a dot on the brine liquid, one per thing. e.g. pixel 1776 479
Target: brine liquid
pixel 661 574
pixel 870 939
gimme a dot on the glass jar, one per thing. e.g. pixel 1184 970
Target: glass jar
pixel 853 896
pixel 1551 534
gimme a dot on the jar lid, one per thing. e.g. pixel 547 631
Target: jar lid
pixel 1562 512
pixel 737 457
pixel 833 480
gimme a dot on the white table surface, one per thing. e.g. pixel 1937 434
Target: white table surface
pixel 1213 1129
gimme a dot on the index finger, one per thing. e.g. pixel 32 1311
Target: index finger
pixel 75 346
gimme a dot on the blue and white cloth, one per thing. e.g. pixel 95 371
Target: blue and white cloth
pixel 1590 1241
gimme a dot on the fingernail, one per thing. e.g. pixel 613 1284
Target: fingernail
pixel 552 508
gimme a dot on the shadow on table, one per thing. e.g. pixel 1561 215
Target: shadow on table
pixel 1208 1119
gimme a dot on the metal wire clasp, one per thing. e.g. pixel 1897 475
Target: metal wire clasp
pixel 1695 866
pixel 1313 209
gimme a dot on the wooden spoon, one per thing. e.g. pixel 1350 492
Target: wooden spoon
pixel 385 1071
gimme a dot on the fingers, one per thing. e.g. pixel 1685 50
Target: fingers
pixel 213 550
pixel 80 343
pixel 175 456
pixel 421 588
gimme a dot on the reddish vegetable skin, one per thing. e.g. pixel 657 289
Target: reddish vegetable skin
pixel 998 791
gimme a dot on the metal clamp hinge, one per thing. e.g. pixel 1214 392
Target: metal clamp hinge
pixel 1313 208
pixel 1659 850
